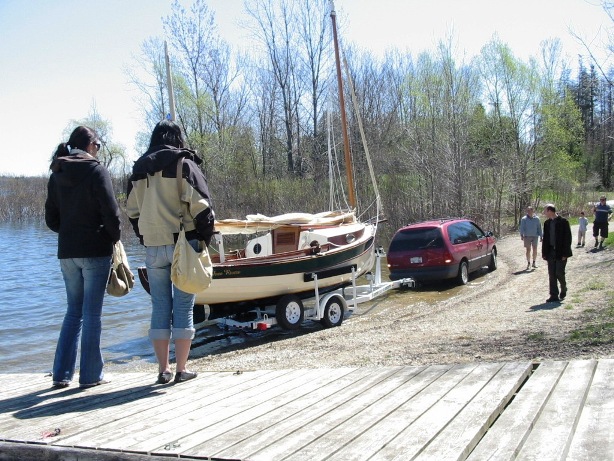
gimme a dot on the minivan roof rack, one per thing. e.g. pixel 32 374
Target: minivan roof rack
pixel 441 220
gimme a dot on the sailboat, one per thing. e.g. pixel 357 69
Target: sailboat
pixel 290 257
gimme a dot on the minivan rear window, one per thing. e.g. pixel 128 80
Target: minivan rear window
pixel 416 239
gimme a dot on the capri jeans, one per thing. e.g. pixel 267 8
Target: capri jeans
pixel 172 312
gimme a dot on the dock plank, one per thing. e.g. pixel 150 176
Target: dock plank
pixel 417 436
pixel 244 441
pixel 326 422
pixel 163 429
pixel 371 441
pixel 77 428
pixel 594 437
pixel 301 443
pixel 562 410
pixel 170 406
pixel 510 430
pixel 341 442
pixel 462 434
pixel 553 431
pixel 53 407
pixel 264 413
pixel 226 416
pixel 18 384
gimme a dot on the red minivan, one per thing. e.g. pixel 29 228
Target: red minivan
pixel 441 249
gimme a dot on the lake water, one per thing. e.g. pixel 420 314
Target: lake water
pixel 33 303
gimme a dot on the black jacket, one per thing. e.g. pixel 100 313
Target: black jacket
pixel 562 242
pixel 81 207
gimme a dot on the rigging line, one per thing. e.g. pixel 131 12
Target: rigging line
pixel 362 133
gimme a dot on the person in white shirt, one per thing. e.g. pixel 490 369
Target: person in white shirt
pixel 583 225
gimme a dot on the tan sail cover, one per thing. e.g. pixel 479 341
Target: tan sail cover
pixel 260 223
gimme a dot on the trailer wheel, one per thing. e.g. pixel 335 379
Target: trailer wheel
pixel 333 312
pixel 289 312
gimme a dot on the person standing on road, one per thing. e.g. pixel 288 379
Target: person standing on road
pixel 603 213
pixel 82 209
pixel 582 226
pixel 530 231
pixel 556 249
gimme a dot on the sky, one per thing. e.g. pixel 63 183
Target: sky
pixel 58 58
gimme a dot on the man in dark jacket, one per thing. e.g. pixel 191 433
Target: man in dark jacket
pixel 556 248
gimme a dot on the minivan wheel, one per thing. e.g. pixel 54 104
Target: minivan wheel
pixel 492 266
pixel 463 273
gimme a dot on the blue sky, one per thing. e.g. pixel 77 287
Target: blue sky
pixel 58 57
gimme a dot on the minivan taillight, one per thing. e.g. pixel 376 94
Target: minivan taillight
pixel 447 258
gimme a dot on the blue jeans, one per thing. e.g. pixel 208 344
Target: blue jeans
pixel 86 281
pixel 172 309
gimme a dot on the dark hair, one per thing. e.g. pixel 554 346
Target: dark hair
pixel 550 207
pixel 166 133
pixel 80 138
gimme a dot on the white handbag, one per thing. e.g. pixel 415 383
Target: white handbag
pixel 191 270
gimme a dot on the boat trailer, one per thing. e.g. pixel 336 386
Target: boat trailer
pixel 328 309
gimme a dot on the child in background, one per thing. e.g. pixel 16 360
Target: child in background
pixel 583 221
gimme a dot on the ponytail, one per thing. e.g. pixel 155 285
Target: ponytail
pixel 61 151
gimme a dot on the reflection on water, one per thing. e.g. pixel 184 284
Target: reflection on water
pixel 32 306
pixel 32 300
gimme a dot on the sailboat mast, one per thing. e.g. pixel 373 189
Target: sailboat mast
pixel 344 129
pixel 169 84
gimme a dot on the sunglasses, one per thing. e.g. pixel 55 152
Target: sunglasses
pixel 97 144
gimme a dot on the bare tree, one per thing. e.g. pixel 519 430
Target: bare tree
pixel 112 154
pixel 275 29
pixel 148 75
pixel 192 36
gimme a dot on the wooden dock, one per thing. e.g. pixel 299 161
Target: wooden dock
pixel 500 411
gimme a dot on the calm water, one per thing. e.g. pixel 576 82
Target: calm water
pixel 32 304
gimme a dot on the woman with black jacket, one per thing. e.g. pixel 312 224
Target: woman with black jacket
pixel 82 209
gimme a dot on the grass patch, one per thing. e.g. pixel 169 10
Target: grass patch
pixel 599 328
pixel 538 336
pixel 596 285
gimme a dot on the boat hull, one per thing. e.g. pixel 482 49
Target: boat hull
pixel 251 283
pixel 242 284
